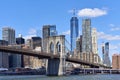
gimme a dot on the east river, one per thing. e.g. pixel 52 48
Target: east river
pixel 72 77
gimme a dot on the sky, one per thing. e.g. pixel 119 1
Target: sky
pixel 28 16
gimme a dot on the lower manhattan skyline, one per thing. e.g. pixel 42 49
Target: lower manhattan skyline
pixel 28 17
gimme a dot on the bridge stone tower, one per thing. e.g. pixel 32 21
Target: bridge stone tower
pixel 56 45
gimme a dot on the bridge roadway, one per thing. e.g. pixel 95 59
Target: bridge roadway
pixel 45 55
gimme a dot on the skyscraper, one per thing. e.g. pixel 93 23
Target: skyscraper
pixel 49 30
pixel 105 50
pixel 106 59
pixel 94 41
pixel 86 36
pixel 94 45
pixel 8 34
pixel 74 32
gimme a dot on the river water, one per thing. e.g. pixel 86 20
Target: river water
pixel 73 77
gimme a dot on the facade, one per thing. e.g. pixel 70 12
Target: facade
pixel 94 45
pixel 103 52
pixel 4 63
pixel 36 42
pixel 49 30
pixel 94 41
pixel 86 36
pixel 8 34
pixel 20 41
pixel 106 59
pixel 74 32
pixel 116 61
pixel 79 44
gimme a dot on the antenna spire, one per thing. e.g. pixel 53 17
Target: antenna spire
pixel 74 12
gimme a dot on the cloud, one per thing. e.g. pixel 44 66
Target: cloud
pixel 102 35
pixel 114 47
pixel 88 12
pixel 29 36
pixel 114 28
pixel 112 25
pixel 66 33
pixel 32 31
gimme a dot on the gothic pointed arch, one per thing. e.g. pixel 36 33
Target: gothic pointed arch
pixel 51 47
pixel 58 47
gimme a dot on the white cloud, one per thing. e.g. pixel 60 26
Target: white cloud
pixel 29 36
pixel 112 25
pixel 114 28
pixel 95 12
pixel 102 35
pixel 114 47
pixel 32 31
pixel 66 33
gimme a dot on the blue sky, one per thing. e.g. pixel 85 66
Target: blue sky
pixel 28 16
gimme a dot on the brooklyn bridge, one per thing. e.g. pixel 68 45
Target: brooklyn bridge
pixel 56 55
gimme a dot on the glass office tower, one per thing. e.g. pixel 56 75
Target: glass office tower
pixel 106 59
pixel 74 32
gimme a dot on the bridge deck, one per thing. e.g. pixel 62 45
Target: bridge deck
pixel 46 55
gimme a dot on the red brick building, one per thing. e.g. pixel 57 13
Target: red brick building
pixel 116 61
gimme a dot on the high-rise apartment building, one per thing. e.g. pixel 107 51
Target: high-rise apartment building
pixel 106 59
pixel 4 63
pixel 116 61
pixel 74 32
pixel 94 41
pixel 94 45
pixel 86 36
pixel 8 34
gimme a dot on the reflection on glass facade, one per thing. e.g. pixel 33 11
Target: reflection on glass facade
pixel 74 32
pixel 106 59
